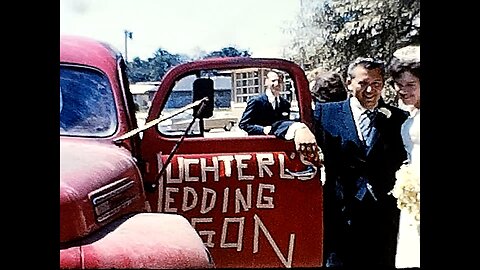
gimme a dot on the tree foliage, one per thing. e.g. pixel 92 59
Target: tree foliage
pixel 331 33
pixel 228 52
pixel 154 68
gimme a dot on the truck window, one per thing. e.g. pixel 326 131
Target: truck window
pixel 232 90
pixel 87 107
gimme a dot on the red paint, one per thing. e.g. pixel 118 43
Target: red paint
pixel 118 232
pixel 98 176
pixel 298 204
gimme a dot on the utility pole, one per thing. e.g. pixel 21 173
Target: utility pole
pixel 302 57
pixel 128 35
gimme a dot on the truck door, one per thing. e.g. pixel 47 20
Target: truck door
pixel 237 191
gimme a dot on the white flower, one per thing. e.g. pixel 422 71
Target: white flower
pixel 385 111
pixel 407 190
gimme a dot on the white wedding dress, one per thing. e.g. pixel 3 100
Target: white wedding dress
pixel 408 246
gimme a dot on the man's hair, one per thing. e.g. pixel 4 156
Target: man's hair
pixel 368 63
pixel 268 78
pixel 329 87
pixel 280 75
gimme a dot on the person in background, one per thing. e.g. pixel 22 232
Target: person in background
pixel 265 109
pixel 405 72
pixel 329 87
pixel 362 147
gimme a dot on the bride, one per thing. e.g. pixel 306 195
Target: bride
pixel 405 71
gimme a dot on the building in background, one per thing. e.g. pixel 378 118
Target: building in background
pixel 232 90
pixel 143 93
pixel 250 82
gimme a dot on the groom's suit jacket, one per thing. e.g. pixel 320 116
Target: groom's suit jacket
pixel 351 212
pixel 346 156
pixel 259 113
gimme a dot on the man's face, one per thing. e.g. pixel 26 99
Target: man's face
pixel 366 85
pixel 274 82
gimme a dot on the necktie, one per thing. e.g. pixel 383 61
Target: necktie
pixel 366 127
pixel 277 104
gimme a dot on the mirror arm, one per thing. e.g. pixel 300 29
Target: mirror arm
pixel 177 144
pixel 158 120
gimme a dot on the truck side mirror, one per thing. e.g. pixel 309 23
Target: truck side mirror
pixel 203 87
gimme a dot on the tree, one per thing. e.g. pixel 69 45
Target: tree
pixel 228 52
pixel 154 68
pixel 138 70
pixel 331 33
pixel 161 62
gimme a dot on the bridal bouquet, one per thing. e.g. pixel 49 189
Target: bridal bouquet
pixel 407 190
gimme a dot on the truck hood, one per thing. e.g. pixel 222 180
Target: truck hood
pixel 89 170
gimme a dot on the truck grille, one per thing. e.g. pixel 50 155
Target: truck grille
pixel 110 199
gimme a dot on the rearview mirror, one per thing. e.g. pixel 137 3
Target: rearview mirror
pixel 203 87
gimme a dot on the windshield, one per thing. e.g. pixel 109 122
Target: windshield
pixel 87 107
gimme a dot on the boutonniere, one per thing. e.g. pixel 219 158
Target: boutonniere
pixel 385 111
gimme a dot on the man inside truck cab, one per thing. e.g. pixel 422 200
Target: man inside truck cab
pixel 264 110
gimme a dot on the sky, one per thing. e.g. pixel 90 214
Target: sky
pixel 190 27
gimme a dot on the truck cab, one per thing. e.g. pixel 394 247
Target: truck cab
pixel 105 220
pixel 248 201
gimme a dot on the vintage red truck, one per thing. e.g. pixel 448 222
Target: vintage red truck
pixel 186 189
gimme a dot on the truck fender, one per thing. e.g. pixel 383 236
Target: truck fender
pixel 144 240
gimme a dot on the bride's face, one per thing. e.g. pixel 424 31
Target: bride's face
pixel 407 86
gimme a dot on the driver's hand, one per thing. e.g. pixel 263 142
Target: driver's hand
pixel 267 129
pixel 303 136
pixel 306 145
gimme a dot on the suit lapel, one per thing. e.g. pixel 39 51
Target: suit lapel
pixel 349 123
pixel 376 129
pixel 375 136
pixel 266 102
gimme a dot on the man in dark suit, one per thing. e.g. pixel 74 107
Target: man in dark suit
pixel 263 110
pixel 362 146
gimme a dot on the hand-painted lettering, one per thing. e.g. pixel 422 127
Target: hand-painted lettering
pixel 231 185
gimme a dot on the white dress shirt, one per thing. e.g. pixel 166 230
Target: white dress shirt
pixel 357 110
pixel 271 98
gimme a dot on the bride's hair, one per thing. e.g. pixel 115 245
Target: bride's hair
pixel 405 59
